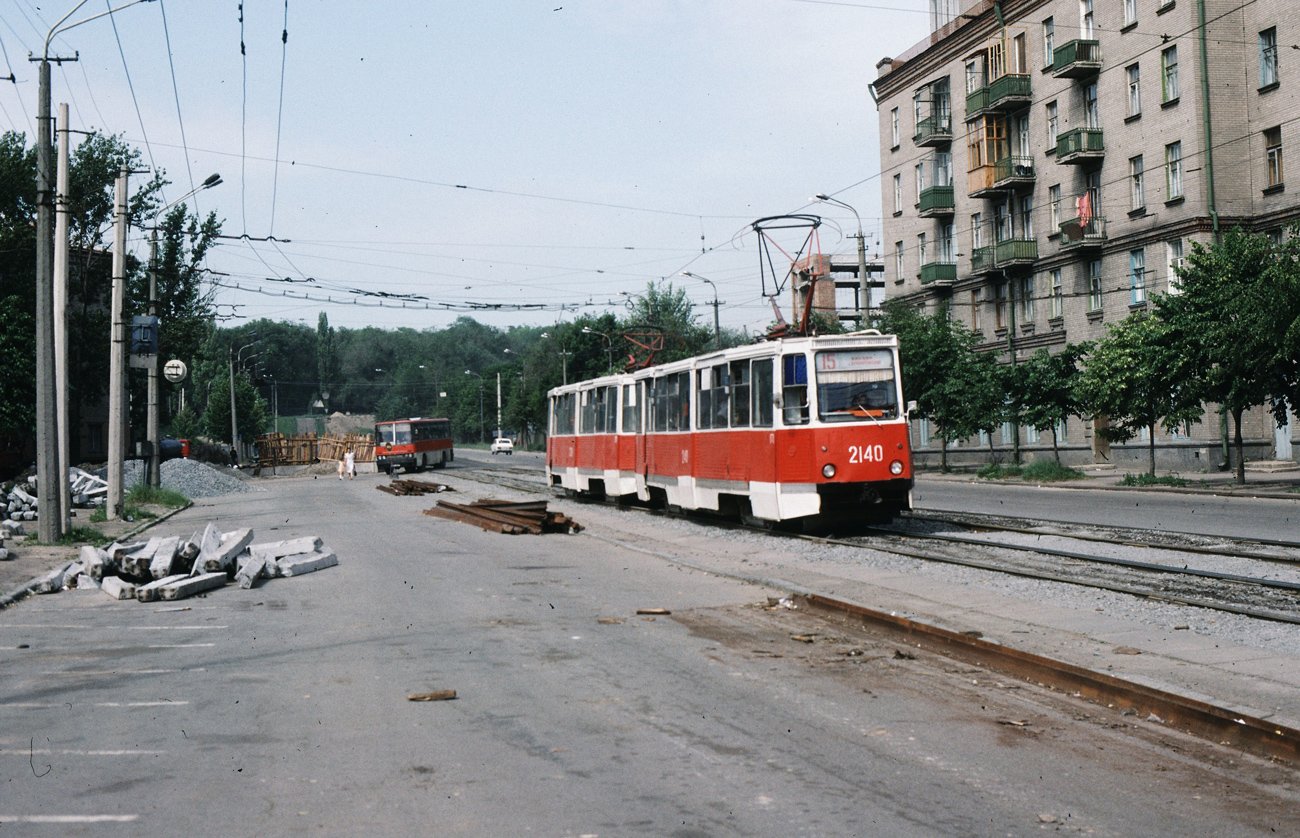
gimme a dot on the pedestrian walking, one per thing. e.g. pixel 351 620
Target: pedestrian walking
pixel 340 469
pixel 350 464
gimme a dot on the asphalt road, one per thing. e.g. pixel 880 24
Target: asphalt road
pixel 1202 513
pixel 283 710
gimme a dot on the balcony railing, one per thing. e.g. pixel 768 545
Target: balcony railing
pixel 981 260
pixel 937 200
pixel 933 130
pixel 1076 235
pixel 1015 252
pixel 977 102
pixel 1080 145
pixel 1010 171
pixel 1076 59
pixel 1008 92
pixel 943 273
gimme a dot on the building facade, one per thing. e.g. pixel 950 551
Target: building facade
pixel 1046 164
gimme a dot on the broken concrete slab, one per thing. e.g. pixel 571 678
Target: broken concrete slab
pixel 117 587
pixel 149 592
pixel 164 558
pixel 190 585
pixel 222 556
pixel 272 550
pixel 250 569
pixel 305 563
pixel 52 581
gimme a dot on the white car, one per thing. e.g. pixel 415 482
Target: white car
pixel 502 445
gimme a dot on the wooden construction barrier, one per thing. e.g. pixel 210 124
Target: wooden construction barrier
pixel 278 449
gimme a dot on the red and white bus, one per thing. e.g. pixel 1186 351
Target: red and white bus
pixel 413 444
pixel 796 428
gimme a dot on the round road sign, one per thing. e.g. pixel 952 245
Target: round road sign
pixel 174 371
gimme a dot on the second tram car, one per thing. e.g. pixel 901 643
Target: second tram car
pixel 413 444
pixel 795 428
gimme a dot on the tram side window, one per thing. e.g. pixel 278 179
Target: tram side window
pixel 611 409
pixel 562 414
pixel 671 402
pixel 761 388
pixel 740 394
pixel 704 398
pixel 631 415
pixel 794 389
pixel 721 395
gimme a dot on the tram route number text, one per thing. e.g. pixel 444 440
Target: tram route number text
pixel 866 454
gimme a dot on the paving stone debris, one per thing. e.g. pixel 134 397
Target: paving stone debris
pixel 167 568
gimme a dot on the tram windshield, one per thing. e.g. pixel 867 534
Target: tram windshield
pixel 855 385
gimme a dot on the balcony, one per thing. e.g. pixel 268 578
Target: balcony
pixel 1006 174
pixel 981 260
pixel 937 201
pixel 1080 145
pixel 1006 93
pixel 934 130
pixel 1010 252
pixel 1076 60
pixel 939 273
pixel 1077 236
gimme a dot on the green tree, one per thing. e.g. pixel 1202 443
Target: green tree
pixel 327 359
pixel 1138 377
pixel 1236 313
pixel 1046 388
pixel 669 311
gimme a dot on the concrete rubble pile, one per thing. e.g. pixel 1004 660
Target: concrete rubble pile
pixel 85 490
pixel 167 568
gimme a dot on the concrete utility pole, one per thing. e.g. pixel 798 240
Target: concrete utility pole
pixel 47 475
pixel 117 358
pixel 717 329
pixel 151 420
pixel 498 436
pixel 61 322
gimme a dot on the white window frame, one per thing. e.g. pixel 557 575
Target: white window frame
pixel 898 260
pixel 1134 73
pixel 1130 12
pixel 1053 122
pixel 1174 170
pixel 1027 307
pixel 1137 276
pixel 1137 185
pixel 1085 19
pixel 898 193
pixel 977 230
pixel 1091 106
pixel 1275 174
pixel 1026 211
pixel 1058 294
pixel 1174 259
pixel 894 127
pixel 1268 75
pixel 1054 206
pixel 1169 74
pixel 1049 42
pixel 1095 299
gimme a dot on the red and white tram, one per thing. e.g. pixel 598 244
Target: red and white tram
pixel 795 428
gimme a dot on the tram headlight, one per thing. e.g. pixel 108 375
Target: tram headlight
pixel 828 471
pixel 896 467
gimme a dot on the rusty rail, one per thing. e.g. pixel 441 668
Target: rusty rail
pixel 1219 724
pixel 529 517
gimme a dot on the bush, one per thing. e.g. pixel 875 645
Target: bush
pixel 141 494
pixel 1149 480
pixel 997 471
pixel 1049 471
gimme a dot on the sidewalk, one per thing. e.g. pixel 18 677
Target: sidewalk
pixel 1270 479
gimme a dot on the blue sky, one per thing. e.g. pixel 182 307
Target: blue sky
pixel 559 153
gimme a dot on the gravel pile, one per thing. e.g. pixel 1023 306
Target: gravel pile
pixel 189 477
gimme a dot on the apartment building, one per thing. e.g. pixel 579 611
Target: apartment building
pixel 1045 164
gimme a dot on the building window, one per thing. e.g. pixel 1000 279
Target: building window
pixel 1094 285
pixel 1054 206
pixel 1058 294
pixel 1002 230
pixel 920 249
pixel 1031 435
pixel 1027 216
pixel 1174 170
pixel 923 433
pixel 1130 12
pixel 898 194
pixel 974 75
pixel 977 230
pixel 919 176
pixel 1173 263
pixel 1052 124
pixel 1091 112
pixel 1136 188
pixel 1007 434
pixel 917 114
pixel 1049 42
pixel 999 305
pixel 1273 155
pixel 975 324
pixel 898 261
pixel 1137 281
pixel 945 244
pixel 894 131
pixel 1169 74
pixel 1027 299
pixel 1268 57
pixel 1134 90
pixel 1085 19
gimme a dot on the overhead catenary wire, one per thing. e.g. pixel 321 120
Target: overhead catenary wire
pixel 279 116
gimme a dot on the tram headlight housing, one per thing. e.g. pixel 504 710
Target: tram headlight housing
pixel 828 471
pixel 896 467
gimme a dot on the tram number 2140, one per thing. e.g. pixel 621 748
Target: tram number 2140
pixel 866 454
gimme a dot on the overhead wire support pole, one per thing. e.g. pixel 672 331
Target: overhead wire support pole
pixel 117 358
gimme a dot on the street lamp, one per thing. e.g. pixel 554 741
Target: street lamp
pixel 609 344
pixel 864 292
pixel 480 402
pixel 717 330
pixel 151 423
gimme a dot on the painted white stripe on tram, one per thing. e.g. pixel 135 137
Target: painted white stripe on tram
pixel 68 818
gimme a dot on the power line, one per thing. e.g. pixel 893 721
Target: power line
pixel 279 115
